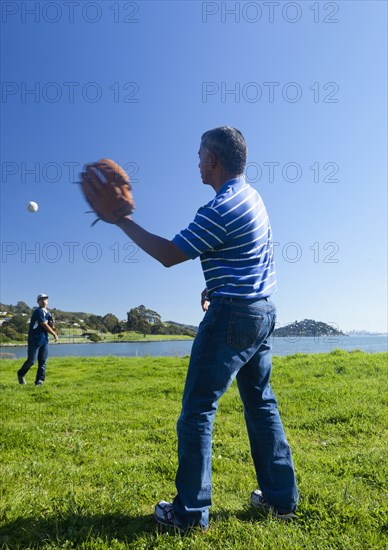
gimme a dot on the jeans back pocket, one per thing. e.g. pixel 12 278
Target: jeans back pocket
pixel 243 330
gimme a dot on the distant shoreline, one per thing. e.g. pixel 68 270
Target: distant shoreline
pixel 19 345
pixel 145 341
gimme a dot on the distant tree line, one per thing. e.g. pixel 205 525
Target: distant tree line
pixel 15 321
pixel 146 321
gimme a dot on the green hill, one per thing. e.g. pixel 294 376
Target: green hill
pixel 307 327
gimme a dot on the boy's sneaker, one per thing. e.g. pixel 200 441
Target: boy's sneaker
pixel 258 501
pixel 39 383
pixel 21 380
pixel 164 517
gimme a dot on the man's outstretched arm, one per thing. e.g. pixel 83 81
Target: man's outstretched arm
pixel 163 250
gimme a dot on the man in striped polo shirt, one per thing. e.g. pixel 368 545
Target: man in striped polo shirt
pixel 232 236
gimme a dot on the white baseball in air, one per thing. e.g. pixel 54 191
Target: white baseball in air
pixel 32 206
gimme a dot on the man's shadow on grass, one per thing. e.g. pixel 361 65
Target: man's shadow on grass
pixel 31 532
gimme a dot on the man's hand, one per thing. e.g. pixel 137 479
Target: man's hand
pixel 204 302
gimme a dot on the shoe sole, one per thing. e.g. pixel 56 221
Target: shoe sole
pixel 163 527
pixel 270 510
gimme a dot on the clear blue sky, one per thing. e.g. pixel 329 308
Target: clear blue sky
pixel 140 82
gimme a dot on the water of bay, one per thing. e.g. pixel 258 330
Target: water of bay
pixel 179 348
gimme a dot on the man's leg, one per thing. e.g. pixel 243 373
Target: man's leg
pixel 42 358
pixel 269 447
pixel 31 358
pixel 207 379
pixel 227 338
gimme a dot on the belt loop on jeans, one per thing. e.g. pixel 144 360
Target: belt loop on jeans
pixel 231 300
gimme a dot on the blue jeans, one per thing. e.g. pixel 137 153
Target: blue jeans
pixel 37 349
pixel 232 341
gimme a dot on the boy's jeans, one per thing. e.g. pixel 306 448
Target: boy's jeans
pixel 232 341
pixel 36 350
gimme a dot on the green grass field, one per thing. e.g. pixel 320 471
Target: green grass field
pixel 86 456
pixel 67 336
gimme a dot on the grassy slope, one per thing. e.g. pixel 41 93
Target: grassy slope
pixel 85 457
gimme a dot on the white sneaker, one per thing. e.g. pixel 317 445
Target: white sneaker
pixel 258 501
pixel 164 517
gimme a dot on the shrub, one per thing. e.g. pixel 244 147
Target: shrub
pixel 94 337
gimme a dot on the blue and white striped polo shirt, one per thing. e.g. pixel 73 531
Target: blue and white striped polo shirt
pixel 232 235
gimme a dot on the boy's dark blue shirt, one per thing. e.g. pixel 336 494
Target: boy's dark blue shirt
pixel 36 332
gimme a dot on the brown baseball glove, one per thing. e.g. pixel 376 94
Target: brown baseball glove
pixel 107 189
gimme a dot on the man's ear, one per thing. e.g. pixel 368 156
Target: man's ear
pixel 212 160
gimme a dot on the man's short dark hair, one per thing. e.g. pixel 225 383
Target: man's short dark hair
pixel 229 145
